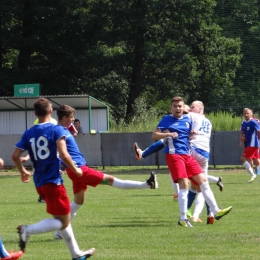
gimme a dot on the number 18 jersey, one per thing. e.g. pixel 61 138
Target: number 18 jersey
pixel 40 142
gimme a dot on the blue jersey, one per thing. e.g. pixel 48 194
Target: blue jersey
pixel 40 142
pixel 250 129
pixel 73 149
pixel 182 126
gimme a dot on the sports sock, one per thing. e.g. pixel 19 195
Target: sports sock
pixel 199 204
pixel 126 184
pixel 155 147
pixel 3 252
pixel 209 212
pixel 212 178
pixel 175 186
pixel 209 197
pixel 73 209
pixel 248 168
pixel 69 239
pixel 46 225
pixel 182 200
pixel 191 197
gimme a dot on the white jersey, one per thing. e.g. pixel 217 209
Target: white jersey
pixel 196 120
pixel 201 140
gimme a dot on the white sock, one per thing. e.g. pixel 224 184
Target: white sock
pixel 209 197
pixel 73 209
pixel 175 186
pixel 200 201
pixel 258 168
pixel 69 239
pixel 248 168
pixel 125 184
pixel 183 203
pixel 46 225
pixel 213 178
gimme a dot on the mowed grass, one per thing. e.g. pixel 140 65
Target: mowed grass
pixel 139 224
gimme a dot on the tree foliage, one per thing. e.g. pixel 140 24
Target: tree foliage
pixel 119 51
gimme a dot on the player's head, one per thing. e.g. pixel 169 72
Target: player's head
pixel 186 109
pixel 177 106
pixel 42 107
pixel 247 113
pixel 77 123
pixel 197 107
pixel 65 112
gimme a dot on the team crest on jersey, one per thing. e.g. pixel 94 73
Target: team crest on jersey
pixel 248 128
pixel 187 124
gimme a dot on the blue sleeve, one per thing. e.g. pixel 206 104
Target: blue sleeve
pixel 59 132
pixel 23 143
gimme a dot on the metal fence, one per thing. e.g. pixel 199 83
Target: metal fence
pixel 110 149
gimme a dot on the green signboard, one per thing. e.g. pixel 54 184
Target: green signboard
pixel 27 90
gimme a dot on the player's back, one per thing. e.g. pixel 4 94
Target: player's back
pixel 201 140
pixel 40 141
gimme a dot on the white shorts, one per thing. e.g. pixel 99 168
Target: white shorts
pixel 202 161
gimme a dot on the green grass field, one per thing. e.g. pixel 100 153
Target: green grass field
pixel 139 224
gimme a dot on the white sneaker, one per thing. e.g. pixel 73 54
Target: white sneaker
pixel 252 179
pixel 57 235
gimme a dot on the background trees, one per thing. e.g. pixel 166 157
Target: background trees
pixel 120 51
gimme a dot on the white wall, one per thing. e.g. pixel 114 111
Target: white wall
pixel 13 122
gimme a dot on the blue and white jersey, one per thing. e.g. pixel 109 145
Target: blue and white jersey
pixel 182 126
pixel 250 129
pixel 201 141
pixel 73 149
pixel 40 142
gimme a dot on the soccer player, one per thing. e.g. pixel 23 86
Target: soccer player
pixel 90 176
pixel 42 141
pixel 176 128
pixel 1 163
pixel 200 147
pixel 27 157
pixel 249 134
pixel 5 255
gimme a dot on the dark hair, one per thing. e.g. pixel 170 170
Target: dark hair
pixel 76 120
pixel 42 107
pixel 177 99
pixel 64 110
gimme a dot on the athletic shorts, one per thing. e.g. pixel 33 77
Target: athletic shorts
pixel 182 166
pixel 251 152
pixel 90 177
pixel 56 198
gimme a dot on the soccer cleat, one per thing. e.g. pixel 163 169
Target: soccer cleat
pixel 210 220
pixel 41 200
pixel 188 213
pixel 23 237
pixel 13 255
pixel 184 223
pixel 138 152
pixel 222 212
pixel 252 179
pixel 196 220
pixel 57 235
pixel 87 254
pixel 220 184
pixel 152 181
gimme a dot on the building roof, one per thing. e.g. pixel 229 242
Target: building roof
pixel 75 101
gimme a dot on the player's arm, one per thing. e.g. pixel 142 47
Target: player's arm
pixel 65 157
pixel 242 138
pixel 18 164
pixel 158 134
pixel 25 158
